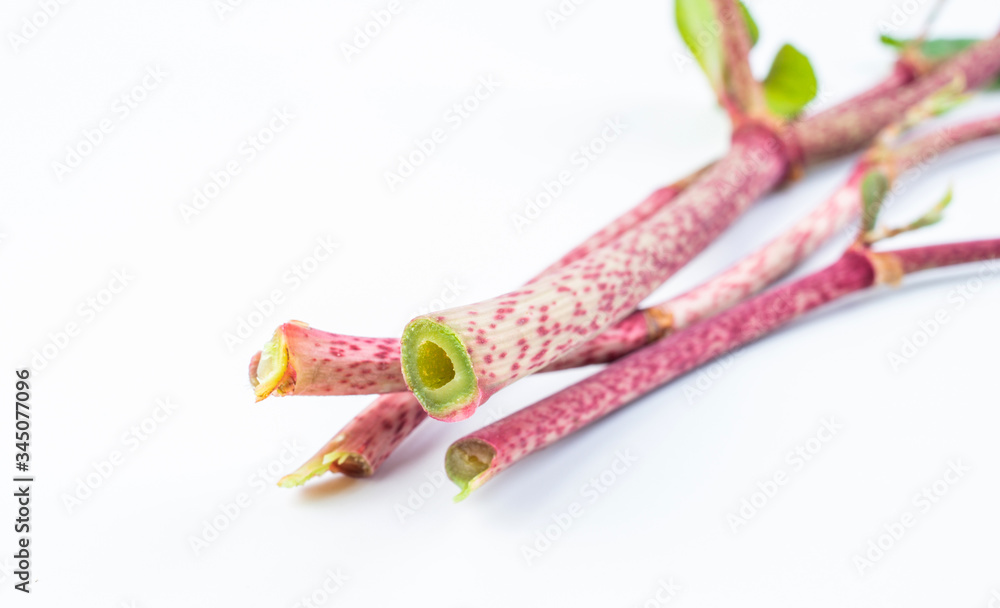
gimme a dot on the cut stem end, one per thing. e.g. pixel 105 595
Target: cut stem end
pixel 468 464
pixel 271 366
pixel 439 371
pixel 350 464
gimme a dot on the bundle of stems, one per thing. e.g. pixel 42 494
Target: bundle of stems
pixel 583 308
pixel 373 435
pixel 479 456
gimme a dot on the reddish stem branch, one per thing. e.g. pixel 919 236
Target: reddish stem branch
pixel 740 84
pixel 848 126
pixel 479 456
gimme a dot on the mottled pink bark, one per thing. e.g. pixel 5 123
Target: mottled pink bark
pixel 625 222
pixel 780 256
pixel 742 91
pixel 360 447
pixel 903 73
pixel 518 333
pixel 479 456
pixel 937 256
pixel 924 149
pixel 848 127
pixel 321 363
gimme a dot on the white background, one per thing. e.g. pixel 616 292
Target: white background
pixel 665 518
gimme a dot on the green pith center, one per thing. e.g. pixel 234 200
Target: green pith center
pixel 434 366
pixel 437 367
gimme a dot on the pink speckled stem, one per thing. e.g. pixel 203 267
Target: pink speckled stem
pixel 499 341
pixel 848 127
pixel 516 334
pixel 742 89
pixel 938 256
pixel 903 73
pixel 780 256
pixel 363 445
pixel 479 456
pixel 373 435
pixel 322 363
pixel 630 330
pixel 370 437
pixel 625 222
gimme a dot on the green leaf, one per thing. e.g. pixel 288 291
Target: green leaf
pixel 896 43
pixel 697 26
pixel 750 23
pixel 791 83
pixel 874 187
pixel 935 215
pixel 700 30
pixel 943 48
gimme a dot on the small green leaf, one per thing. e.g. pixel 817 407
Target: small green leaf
pixel 935 215
pixel 750 23
pixel 896 43
pixel 874 187
pixel 943 48
pixel 791 83
pixel 935 49
pixel 698 28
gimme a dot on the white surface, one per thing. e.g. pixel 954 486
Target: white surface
pixel 664 518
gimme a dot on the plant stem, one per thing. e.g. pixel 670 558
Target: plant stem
pixel 849 126
pixel 301 360
pixel 367 440
pixel 780 256
pixel 744 93
pixel 454 360
pixel 361 446
pixel 479 456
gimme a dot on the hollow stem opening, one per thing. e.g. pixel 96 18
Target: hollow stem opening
pixel 438 369
pixel 467 463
